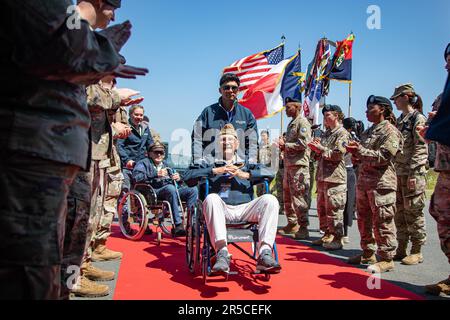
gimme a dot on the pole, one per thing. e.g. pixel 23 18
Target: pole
pixel 350 99
pixel 282 124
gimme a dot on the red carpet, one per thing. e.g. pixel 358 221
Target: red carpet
pixel 149 272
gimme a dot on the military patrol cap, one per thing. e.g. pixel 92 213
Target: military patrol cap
pixel 157 146
pixel 331 107
pixel 403 89
pixel 229 130
pixel 380 101
pixel 447 52
pixel 289 99
pixel 115 3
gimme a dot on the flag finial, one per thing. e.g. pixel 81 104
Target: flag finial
pixel 283 39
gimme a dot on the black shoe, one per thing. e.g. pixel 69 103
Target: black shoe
pixel 179 231
pixel 267 264
pixel 149 231
pixel 222 264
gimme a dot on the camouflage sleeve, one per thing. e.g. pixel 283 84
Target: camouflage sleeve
pixel 420 153
pixel 339 151
pixel 99 98
pixel 303 129
pixel 387 151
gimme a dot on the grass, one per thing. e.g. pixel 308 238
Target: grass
pixel 431 182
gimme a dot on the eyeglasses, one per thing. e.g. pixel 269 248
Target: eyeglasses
pixel 159 153
pixel 234 88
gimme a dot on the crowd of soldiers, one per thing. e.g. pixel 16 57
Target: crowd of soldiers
pixel 391 160
pixel 61 175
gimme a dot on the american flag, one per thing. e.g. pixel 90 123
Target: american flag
pixel 252 68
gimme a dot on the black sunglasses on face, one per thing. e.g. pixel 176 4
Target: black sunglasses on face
pixel 159 153
pixel 234 88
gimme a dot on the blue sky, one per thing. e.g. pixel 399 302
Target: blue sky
pixel 186 44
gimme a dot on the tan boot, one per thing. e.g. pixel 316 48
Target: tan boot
pixel 290 229
pixel 302 234
pixel 95 274
pixel 327 238
pixel 367 258
pixel 336 244
pixel 415 257
pixel 441 287
pixel 401 251
pixel 88 289
pixel 382 266
pixel 101 253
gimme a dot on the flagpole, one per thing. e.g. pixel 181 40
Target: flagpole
pixel 350 99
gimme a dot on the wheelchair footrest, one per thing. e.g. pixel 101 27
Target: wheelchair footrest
pixel 239 235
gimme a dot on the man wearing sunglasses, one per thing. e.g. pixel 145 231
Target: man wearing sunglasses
pixel 216 116
pixel 155 172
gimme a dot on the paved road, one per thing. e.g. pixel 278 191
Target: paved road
pixel 412 278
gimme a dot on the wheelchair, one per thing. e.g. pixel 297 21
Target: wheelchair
pixel 199 251
pixel 140 208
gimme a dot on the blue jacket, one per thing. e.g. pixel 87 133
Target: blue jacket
pixel 145 172
pixel 440 126
pixel 240 190
pixel 215 117
pixel 135 146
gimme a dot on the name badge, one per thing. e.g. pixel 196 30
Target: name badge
pixel 225 190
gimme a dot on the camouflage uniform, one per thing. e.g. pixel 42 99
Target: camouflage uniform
pixel 440 203
pixel 114 181
pixel 44 123
pixel 377 186
pixel 411 164
pixel 87 193
pixel 296 171
pixel 101 101
pixel 332 181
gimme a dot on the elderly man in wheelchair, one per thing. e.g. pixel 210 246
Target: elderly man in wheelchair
pixel 154 171
pixel 230 201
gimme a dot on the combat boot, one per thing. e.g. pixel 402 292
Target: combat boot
pixel 327 238
pixel 88 289
pixel 96 274
pixel 382 266
pixel 101 253
pixel 290 229
pixel 367 258
pixel 441 287
pixel 415 257
pixel 302 234
pixel 401 251
pixel 336 244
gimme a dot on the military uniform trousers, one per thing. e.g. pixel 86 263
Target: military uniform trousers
pixel 278 188
pixel 114 182
pixel 440 210
pixel 33 201
pixel 410 217
pixel 376 211
pixel 97 205
pixel 81 217
pixel 295 192
pixel 331 198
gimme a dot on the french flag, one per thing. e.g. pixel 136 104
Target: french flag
pixel 266 97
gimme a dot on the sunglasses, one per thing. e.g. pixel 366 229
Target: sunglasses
pixel 233 88
pixel 159 153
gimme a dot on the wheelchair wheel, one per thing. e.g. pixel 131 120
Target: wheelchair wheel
pixel 133 219
pixel 165 219
pixel 193 237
